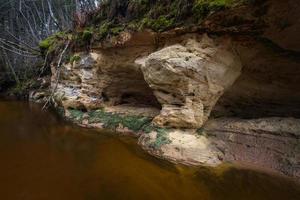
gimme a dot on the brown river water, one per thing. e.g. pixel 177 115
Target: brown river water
pixel 42 158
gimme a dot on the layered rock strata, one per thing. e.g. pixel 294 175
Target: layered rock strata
pixel 228 96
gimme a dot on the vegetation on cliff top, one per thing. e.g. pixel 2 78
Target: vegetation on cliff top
pixel 155 14
pixel 115 16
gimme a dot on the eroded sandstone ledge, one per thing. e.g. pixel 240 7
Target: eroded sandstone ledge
pixel 196 98
pixel 165 95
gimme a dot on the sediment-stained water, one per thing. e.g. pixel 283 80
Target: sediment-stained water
pixel 44 158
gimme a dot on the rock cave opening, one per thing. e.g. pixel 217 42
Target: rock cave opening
pixel 262 95
pixel 127 91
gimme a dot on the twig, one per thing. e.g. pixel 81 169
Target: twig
pixel 44 65
pixel 58 67
pixel 19 53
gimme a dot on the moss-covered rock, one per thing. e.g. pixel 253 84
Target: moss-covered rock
pixel 202 8
pixel 52 43
pixel 113 17
pixel 160 24
pixel 110 120
pixel 74 58
pixel 76 115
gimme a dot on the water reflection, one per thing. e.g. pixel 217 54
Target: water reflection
pixel 43 157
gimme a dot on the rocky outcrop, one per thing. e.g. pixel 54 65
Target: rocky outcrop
pixel 272 143
pixel 166 94
pixel 188 80
pixel 231 95
pixel 105 77
pixel 182 146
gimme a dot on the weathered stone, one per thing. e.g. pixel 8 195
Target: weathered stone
pixel 182 146
pixel 78 84
pixel 185 80
pixel 188 80
pixel 272 143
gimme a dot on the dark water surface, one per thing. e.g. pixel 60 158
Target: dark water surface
pixel 44 158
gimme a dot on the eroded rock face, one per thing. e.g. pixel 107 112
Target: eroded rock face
pixel 103 78
pixel 267 143
pixel 272 143
pixel 188 80
pixel 283 19
pixel 182 83
pixel 78 86
pixel 182 146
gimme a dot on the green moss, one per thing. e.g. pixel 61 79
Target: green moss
pixel 116 30
pixel 108 119
pixel 133 25
pixel 135 123
pixel 48 45
pixel 202 8
pixel 161 136
pixel 116 16
pixel 87 35
pixel 160 141
pixel 103 30
pixel 51 40
pixel 107 28
pixel 160 24
pixel 113 17
pixel 74 58
pixel 83 38
pixel 45 44
pixel 51 43
pixel 112 121
pixel 76 115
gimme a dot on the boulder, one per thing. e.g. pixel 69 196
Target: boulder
pixel 188 79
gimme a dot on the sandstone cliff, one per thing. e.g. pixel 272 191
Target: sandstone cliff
pixel 223 90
